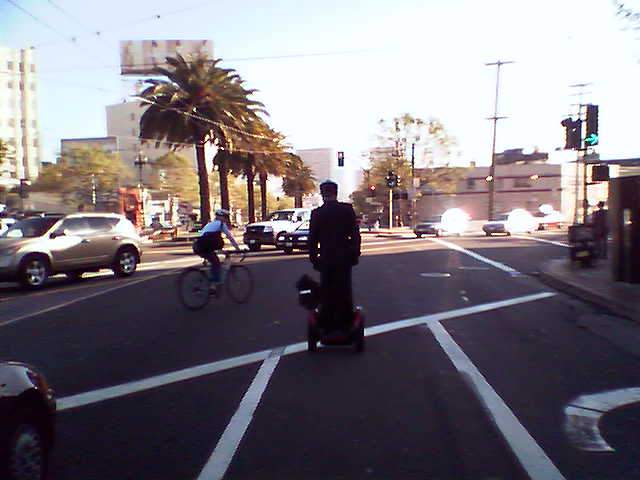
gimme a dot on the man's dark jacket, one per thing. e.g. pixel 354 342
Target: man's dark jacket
pixel 333 226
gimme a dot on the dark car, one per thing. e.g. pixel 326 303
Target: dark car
pixel 294 240
pixel 431 226
pixel 27 413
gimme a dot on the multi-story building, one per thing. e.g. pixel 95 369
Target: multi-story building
pixel 323 162
pixel 19 115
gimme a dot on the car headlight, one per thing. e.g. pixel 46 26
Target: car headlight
pixel 303 239
pixel 281 238
pixel 268 229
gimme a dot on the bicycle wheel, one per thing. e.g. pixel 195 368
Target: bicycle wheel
pixel 239 283
pixel 193 288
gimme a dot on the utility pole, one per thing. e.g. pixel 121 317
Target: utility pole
pixel 495 118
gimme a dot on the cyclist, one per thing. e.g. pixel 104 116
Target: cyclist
pixel 210 240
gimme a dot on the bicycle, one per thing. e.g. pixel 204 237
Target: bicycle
pixel 194 286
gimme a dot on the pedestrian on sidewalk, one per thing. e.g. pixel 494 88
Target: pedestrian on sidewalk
pixel 600 226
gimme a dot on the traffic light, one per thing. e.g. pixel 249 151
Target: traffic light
pixel 341 159
pixel 573 133
pixel 591 136
pixel 392 179
pixel 372 190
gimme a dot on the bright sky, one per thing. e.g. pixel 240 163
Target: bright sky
pixel 423 57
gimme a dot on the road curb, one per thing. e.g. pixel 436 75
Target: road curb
pixel 590 294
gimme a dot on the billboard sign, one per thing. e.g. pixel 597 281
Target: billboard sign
pixel 140 57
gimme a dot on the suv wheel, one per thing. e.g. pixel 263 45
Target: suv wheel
pixel 125 263
pixel 34 272
pixel 254 247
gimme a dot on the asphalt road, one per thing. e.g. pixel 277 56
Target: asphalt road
pixel 471 371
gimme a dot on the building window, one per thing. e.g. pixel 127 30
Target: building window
pixel 23 124
pixel 32 68
pixel 132 117
pixel 133 132
pixel 21 67
pixel 21 86
pixel 522 182
pixel 12 122
pixel 471 184
pixel 35 143
pixel 32 86
pixel 34 124
pixel 10 65
pixel 10 85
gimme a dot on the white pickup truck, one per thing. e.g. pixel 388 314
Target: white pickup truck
pixel 265 233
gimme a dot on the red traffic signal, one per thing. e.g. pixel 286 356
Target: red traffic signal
pixel 372 188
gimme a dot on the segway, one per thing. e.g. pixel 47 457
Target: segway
pixel 351 335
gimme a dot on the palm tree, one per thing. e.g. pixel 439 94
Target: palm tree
pixel 257 151
pixel 298 179
pixel 200 102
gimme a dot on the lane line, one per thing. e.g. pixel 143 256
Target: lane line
pixel 542 240
pixel 493 263
pixel 220 459
pixel 107 393
pixel 529 454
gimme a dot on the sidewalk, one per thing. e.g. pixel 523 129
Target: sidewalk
pixel 594 285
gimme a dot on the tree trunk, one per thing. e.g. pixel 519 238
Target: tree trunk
pixel 263 195
pixel 203 182
pixel 223 171
pixel 251 203
pixel 298 200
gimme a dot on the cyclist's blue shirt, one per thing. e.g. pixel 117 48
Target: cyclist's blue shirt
pixel 219 226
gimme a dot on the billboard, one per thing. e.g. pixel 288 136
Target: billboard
pixel 139 57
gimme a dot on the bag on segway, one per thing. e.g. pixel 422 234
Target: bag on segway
pixel 207 243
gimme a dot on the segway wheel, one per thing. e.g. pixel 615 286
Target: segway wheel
pixel 358 341
pixel 312 335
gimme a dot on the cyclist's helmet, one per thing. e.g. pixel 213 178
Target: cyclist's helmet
pixel 221 212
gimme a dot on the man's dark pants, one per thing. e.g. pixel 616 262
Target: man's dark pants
pixel 336 302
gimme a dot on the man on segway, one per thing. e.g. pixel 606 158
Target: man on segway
pixel 334 248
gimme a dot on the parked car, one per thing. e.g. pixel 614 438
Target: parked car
pixel 34 248
pixel 27 427
pixel 430 226
pixel 282 221
pixel 294 240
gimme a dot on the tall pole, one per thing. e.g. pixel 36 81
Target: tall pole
pixel 390 207
pixel 495 118
pixel 413 184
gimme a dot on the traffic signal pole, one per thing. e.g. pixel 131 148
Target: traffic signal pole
pixel 495 118
pixel 390 207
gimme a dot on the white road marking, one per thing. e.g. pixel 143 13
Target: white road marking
pixel 529 454
pixel 435 275
pixel 226 448
pixel 474 268
pixel 584 413
pixel 87 398
pixel 536 239
pixel 498 265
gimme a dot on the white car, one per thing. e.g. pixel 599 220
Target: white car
pixel 280 222
pixel 514 222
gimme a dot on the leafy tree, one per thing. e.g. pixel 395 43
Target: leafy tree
pixel 84 174
pixel 199 102
pixel 173 173
pixel 401 140
pixel 298 179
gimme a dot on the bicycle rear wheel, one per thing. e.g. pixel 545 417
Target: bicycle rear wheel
pixel 239 283
pixel 193 288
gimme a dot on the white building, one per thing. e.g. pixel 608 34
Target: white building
pixel 19 115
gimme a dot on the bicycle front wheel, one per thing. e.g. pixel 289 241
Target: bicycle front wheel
pixel 193 288
pixel 239 283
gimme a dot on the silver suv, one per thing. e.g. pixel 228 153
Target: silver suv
pixel 36 247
